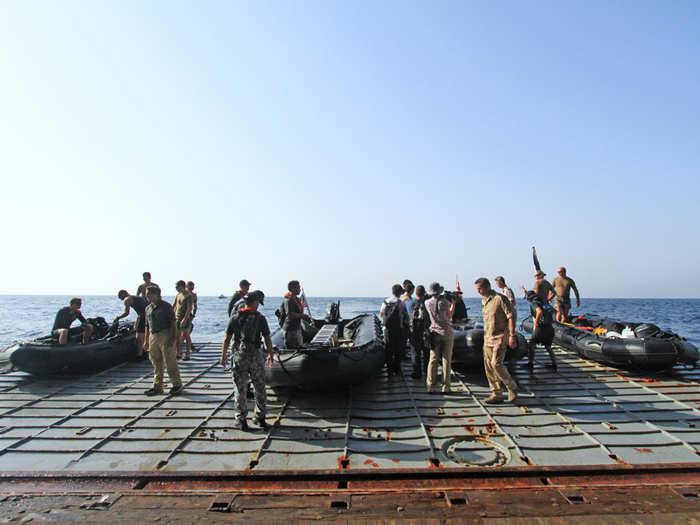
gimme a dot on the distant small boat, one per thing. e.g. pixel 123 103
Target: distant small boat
pixel 45 357
pixel 336 353
pixel 222 296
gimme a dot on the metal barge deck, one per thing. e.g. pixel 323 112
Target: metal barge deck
pixel 571 436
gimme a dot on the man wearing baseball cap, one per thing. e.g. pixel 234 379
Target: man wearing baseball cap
pixel 543 288
pixel 248 328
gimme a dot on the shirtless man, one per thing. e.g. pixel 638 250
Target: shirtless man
pixel 183 316
pixel 190 288
pixel 141 290
pixel 562 301
pixel 139 304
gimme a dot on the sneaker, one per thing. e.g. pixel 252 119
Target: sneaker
pixel 153 391
pixel 512 396
pixel 175 390
pixel 494 399
pixel 241 425
pixel 260 422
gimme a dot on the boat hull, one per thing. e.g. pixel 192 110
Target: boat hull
pixel 46 359
pixel 326 367
pixel 468 350
pixel 634 353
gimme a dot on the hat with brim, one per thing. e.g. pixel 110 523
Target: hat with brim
pixel 435 289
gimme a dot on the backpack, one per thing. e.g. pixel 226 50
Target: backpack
pixel 392 318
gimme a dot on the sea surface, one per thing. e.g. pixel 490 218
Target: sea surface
pixel 24 317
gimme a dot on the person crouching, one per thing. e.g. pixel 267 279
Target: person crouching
pixel 248 327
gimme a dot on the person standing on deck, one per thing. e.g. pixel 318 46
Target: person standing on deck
pixel 395 318
pixel 190 288
pixel 563 285
pixel 543 331
pixel 139 304
pixel 293 312
pixel 141 290
pixel 419 321
pixel 440 310
pixel 161 335
pixel 183 316
pixel 243 288
pixel 65 317
pixel 508 292
pixel 498 324
pixel 407 300
pixel 543 288
pixel 248 327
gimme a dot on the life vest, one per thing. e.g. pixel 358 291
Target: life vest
pixel 392 317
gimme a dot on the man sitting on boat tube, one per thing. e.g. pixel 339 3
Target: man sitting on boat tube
pixel 65 318
pixel 293 311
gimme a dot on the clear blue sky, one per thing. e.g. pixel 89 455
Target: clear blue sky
pixel 349 144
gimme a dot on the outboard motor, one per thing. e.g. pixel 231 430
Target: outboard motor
pixel 333 313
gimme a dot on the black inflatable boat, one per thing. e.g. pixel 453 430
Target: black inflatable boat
pixel 601 339
pixel 468 350
pixel 336 353
pixel 44 356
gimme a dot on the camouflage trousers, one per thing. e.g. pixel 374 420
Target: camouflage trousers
pixel 248 363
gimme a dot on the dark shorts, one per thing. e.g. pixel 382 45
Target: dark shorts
pixel 76 330
pixel 141 324
pixel 562 302
pixel 543 335
pixel 184 326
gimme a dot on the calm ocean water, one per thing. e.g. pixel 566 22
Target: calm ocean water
pixel 25 317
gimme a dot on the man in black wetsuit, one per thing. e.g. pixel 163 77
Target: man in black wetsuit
pixel 139 304
pixel 244 286
pixel 65 317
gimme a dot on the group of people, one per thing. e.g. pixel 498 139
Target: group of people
pixel 425 323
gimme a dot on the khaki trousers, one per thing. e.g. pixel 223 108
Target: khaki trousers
pixel 496 371
pixel 163 356
pixel 441 351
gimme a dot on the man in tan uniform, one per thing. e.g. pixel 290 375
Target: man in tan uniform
pixel 498 323
pixel 183 315
pixel 160 342
pixel 543 288
pixel 563 285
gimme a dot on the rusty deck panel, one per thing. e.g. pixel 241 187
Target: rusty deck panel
pixel 583 415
